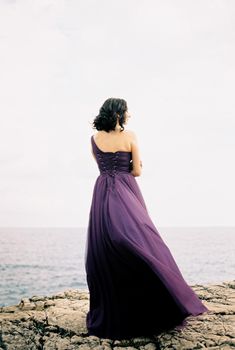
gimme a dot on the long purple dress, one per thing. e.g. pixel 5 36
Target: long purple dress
pixel 135 285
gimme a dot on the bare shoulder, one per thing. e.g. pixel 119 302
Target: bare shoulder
pixel 132 135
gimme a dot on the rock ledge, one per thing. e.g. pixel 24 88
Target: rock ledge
pixel 58 322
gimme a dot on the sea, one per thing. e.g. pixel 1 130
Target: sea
pixel 47 260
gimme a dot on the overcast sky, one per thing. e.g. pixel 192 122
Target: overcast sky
pixel 174 64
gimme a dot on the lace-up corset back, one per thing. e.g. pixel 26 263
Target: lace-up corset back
pixel 111 162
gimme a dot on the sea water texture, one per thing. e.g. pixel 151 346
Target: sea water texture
pixel 42 261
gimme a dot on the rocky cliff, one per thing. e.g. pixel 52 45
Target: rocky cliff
pixel 58 322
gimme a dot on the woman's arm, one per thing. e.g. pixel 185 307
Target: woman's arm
pixel 136 161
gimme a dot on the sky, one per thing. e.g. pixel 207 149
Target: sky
pixel 174 64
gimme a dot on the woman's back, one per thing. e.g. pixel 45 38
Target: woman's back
pixel 124 141
pixel 113 141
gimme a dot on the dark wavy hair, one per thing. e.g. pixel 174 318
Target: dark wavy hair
pixel 108 114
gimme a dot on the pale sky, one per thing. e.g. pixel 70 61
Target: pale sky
pixel 174 64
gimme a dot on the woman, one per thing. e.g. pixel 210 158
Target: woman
pixel 135 285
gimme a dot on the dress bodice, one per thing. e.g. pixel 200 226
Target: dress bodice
pixel 112 162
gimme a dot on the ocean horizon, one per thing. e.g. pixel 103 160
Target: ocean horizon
pixel 47 260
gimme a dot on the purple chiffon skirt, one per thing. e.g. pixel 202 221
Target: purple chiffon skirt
pixel 135 285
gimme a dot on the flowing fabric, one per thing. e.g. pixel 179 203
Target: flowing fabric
pixel 135 285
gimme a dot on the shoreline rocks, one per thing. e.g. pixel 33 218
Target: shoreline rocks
pixel 58 322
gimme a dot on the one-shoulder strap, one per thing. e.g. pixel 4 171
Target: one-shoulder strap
pixel 92 139
pixel 94 147
pixel 94 144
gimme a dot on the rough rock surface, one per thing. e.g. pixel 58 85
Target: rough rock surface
pixel 58 322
